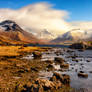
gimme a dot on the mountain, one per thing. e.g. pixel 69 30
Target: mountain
pixel 12 33
pixel 45 34
pixel 74 35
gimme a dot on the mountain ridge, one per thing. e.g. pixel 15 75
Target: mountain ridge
pixel 12 33
pixel 74 35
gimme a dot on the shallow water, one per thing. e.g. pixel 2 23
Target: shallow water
pixel 75 67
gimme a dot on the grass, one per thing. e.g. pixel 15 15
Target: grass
pixel 17 72
pixel 15 50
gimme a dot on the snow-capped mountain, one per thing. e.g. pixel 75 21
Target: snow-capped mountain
pixel 12 33
pixel 45 34
pixel 74 35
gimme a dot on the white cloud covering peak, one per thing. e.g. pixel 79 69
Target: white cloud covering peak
pixel 37 17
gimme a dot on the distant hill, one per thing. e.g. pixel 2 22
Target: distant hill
pixel 74 35
pixel 12 33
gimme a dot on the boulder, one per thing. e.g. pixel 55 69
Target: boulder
pixel 42 85
pixel 64 65
pixel 56 76
pixel 50 67
pixel 90 71
pixel 37 54
pixel 49 61
pixel 56 82
pixel 46 84
pixel 64 79
pixel 76 60
pixel 88 61
pixel 59 60
pixel 83 75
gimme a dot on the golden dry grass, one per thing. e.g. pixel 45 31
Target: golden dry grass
pixel 14 50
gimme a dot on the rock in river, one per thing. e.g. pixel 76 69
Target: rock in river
pixel 64 79
pixel 56 82
pixel 42 85
pixel 37 54
pixel 59 60
pixel 82 74
pixel 64 65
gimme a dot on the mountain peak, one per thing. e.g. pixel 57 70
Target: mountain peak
pixel 12 33
pixel 7 22
pixel 9 25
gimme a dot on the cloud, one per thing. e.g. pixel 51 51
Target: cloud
pixel 84 25
pixel 37 17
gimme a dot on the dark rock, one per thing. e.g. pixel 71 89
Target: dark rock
pixel 59 60
pixel 78 46
pixel 21 71
pixel 35 88
pixel 58 53
pixel 50 67
pixel 34 69
pixel 49 61
pixel 56 76
pixel 70 51
pixel 88 61
pixel 84 75
pixel 81 71
pixel 75 60
pixel 81 50
pixel 37 54
pixel 44 85
pixel 64 65
pixel 64 79
pixel 76 70
pixel 90 71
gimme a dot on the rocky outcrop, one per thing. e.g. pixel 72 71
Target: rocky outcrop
pixel 78 46
pixel 41 85
pixel 55 82
pixel 64 79
pixel 81 46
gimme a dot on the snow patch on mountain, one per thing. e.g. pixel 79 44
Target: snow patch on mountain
pixel 75 35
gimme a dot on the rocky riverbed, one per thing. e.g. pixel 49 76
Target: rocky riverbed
pixel 33 69
pixel 76 64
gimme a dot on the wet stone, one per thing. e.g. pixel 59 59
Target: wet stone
pixel 83 75
pixel 88 61
pixel 49 61
pixel 64 65
pixel 37 54
pixel 50 67
pixel 59 60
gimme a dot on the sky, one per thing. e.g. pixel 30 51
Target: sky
pixel 79 10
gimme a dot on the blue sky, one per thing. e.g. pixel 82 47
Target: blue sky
pixel 80 10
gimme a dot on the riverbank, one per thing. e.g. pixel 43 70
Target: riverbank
pixel 27 69
pixel 16 72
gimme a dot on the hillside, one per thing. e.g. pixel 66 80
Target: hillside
pixel 11 33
